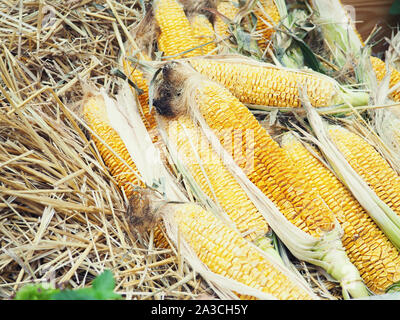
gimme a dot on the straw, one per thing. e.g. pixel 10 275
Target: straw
pixel 62 216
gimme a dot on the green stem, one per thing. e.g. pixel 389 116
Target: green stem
pixel 354 98
pixel 341 269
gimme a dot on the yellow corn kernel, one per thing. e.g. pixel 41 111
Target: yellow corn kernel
pixel 203 32
pixel 226 253
pixel 176 33
pixel 272 172
pixel 214 178
pixel 267 85
pixel 229 10
pixel 367 247
pixel 267 18
pixel 380 70
pixel 369 164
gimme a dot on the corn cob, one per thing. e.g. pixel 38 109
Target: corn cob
pixel 347 19
pixel 273 172
pixel 203 32
pixel 369 164
pixel 367 247
pixel 270 86
pixel 267 17
pixel 338 30
pixel 226 253
pixel 380 70
pixel 229 10
pixel 387 131
pixel 96 117
pixel 214 179
pixel 176 33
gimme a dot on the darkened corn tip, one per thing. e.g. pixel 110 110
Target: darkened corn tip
pixel 144 210
pixel 168 88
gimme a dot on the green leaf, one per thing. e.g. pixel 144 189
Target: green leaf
pixel 78 294
pixel 310 59
pixel 102 289
pixel 104 282
pixel 87 294
pixel 36 292
pixel 395 8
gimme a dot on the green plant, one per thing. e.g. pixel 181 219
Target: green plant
pixel 102 289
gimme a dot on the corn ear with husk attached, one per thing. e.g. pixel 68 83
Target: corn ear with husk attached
pixel 263 84
pixel 110 146
pixel 381 71
pixel 338 30
pixel 369 164
pixel 351 42
pixel 368 248
pixel 381 213
pixel 232 262
pixel 228 10
pixel 204 33
pixel 344 41
pixel 113 151
pixel 378 77
pixel 177 37
pixel 268 17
